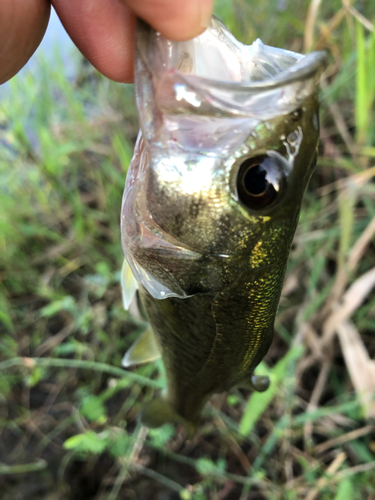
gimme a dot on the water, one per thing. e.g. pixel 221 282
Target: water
pixel 55 41
pixel 56 38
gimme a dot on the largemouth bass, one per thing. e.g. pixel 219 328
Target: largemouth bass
pixel 211 203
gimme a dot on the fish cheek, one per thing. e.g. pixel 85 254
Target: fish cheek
pixel 169 207
pixel 188 213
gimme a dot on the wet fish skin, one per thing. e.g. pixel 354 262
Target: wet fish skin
pixel 190 230
pixel 214 341
pixel 222 233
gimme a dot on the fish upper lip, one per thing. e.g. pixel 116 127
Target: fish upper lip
pixel 303 69
pixel 246 95
pixel 303 66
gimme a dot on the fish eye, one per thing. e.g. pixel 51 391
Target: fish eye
pixel 259 181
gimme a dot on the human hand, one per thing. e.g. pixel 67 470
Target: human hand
pixel 103 30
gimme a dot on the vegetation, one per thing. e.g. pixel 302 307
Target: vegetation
pixel 68 426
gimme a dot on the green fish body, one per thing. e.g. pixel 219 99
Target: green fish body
pixel 212 199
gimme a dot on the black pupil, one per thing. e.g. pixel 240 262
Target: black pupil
pixel 259 181
pixel 255 181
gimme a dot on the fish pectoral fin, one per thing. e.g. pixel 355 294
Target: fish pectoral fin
pixel 259 383
pixel 159 412
pixel 129 284
pixel 144 349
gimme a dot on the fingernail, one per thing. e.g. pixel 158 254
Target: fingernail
pixel 204 13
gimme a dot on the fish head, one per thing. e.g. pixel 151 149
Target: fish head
pixel 228 144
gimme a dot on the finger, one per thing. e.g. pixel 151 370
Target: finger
pixel 22 26
pixel 175 19
pixel 103 30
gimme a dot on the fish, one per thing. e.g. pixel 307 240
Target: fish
pixel 227 146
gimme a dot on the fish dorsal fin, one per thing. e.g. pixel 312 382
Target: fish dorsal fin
pixel 143 350
pixel 129 284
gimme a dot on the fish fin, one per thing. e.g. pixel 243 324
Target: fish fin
pixel 129 284
pixel 259 383
pixel 143 350
pixel 159 412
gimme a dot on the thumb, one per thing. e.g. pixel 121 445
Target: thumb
pixel 175 19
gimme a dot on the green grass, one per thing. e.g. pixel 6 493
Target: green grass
pixel 68 412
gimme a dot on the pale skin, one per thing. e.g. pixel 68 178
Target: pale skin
pixel 103 30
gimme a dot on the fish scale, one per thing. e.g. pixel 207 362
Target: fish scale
pixel 211 204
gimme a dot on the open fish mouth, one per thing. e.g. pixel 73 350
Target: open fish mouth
pixel 214 74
